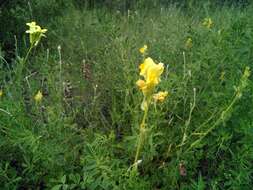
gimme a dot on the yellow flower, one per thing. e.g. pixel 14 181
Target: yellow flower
pixel 141 84
pixel 148 62
pixel 154 73
pixel 160 96
pixel 34 28
pixel 188 43
pixel 38 97
pixel 35 32
pixel 1 93
pixel 208 22
pixel 143 49
pixel 151 73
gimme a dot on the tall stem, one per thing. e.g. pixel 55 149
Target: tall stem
pixel 21 66
pixel 141 138
pixel 28 53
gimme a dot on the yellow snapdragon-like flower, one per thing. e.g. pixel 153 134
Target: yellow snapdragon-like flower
pixel 143 49
pixel 35 32
pixel 208 23
pixel 148 62
pixel 38 97
pixel 154 73
pixel 1 93
pixel 34 28
pixel 151 73
pixel 188 43
pixel 160 96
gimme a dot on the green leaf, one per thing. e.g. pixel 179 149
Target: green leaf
pixel 63 179
pixel 57 187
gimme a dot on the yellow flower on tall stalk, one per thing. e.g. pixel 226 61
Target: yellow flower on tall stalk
pixel 208 22
pixel 143 49
pixel 1 93
pixel 150 73
pixel 35 33
pixel 38 97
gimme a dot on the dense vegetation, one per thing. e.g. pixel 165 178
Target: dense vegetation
pixel 82 131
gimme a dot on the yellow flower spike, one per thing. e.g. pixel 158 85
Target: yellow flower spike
pixel 151 73
pixel 208 23
pixel 35 32
pixel 34 28
pixel 143 49
pixel 148 62
pixel 188 43
pixel 1 93
pixel 38 97
pixel 160 96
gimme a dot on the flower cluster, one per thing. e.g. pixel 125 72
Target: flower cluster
pixel 160 96
pixel 151 73
pixel 36 33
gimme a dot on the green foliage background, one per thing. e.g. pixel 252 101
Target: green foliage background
pixel 83 134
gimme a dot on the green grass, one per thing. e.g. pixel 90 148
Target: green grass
pixel 83 134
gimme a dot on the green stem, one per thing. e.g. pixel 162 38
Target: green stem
pixel 141 138
pixel 21 67
pixel 28 53
pixel 187 123
pixel 221 118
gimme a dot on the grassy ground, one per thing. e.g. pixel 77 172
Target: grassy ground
pixel 83 134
